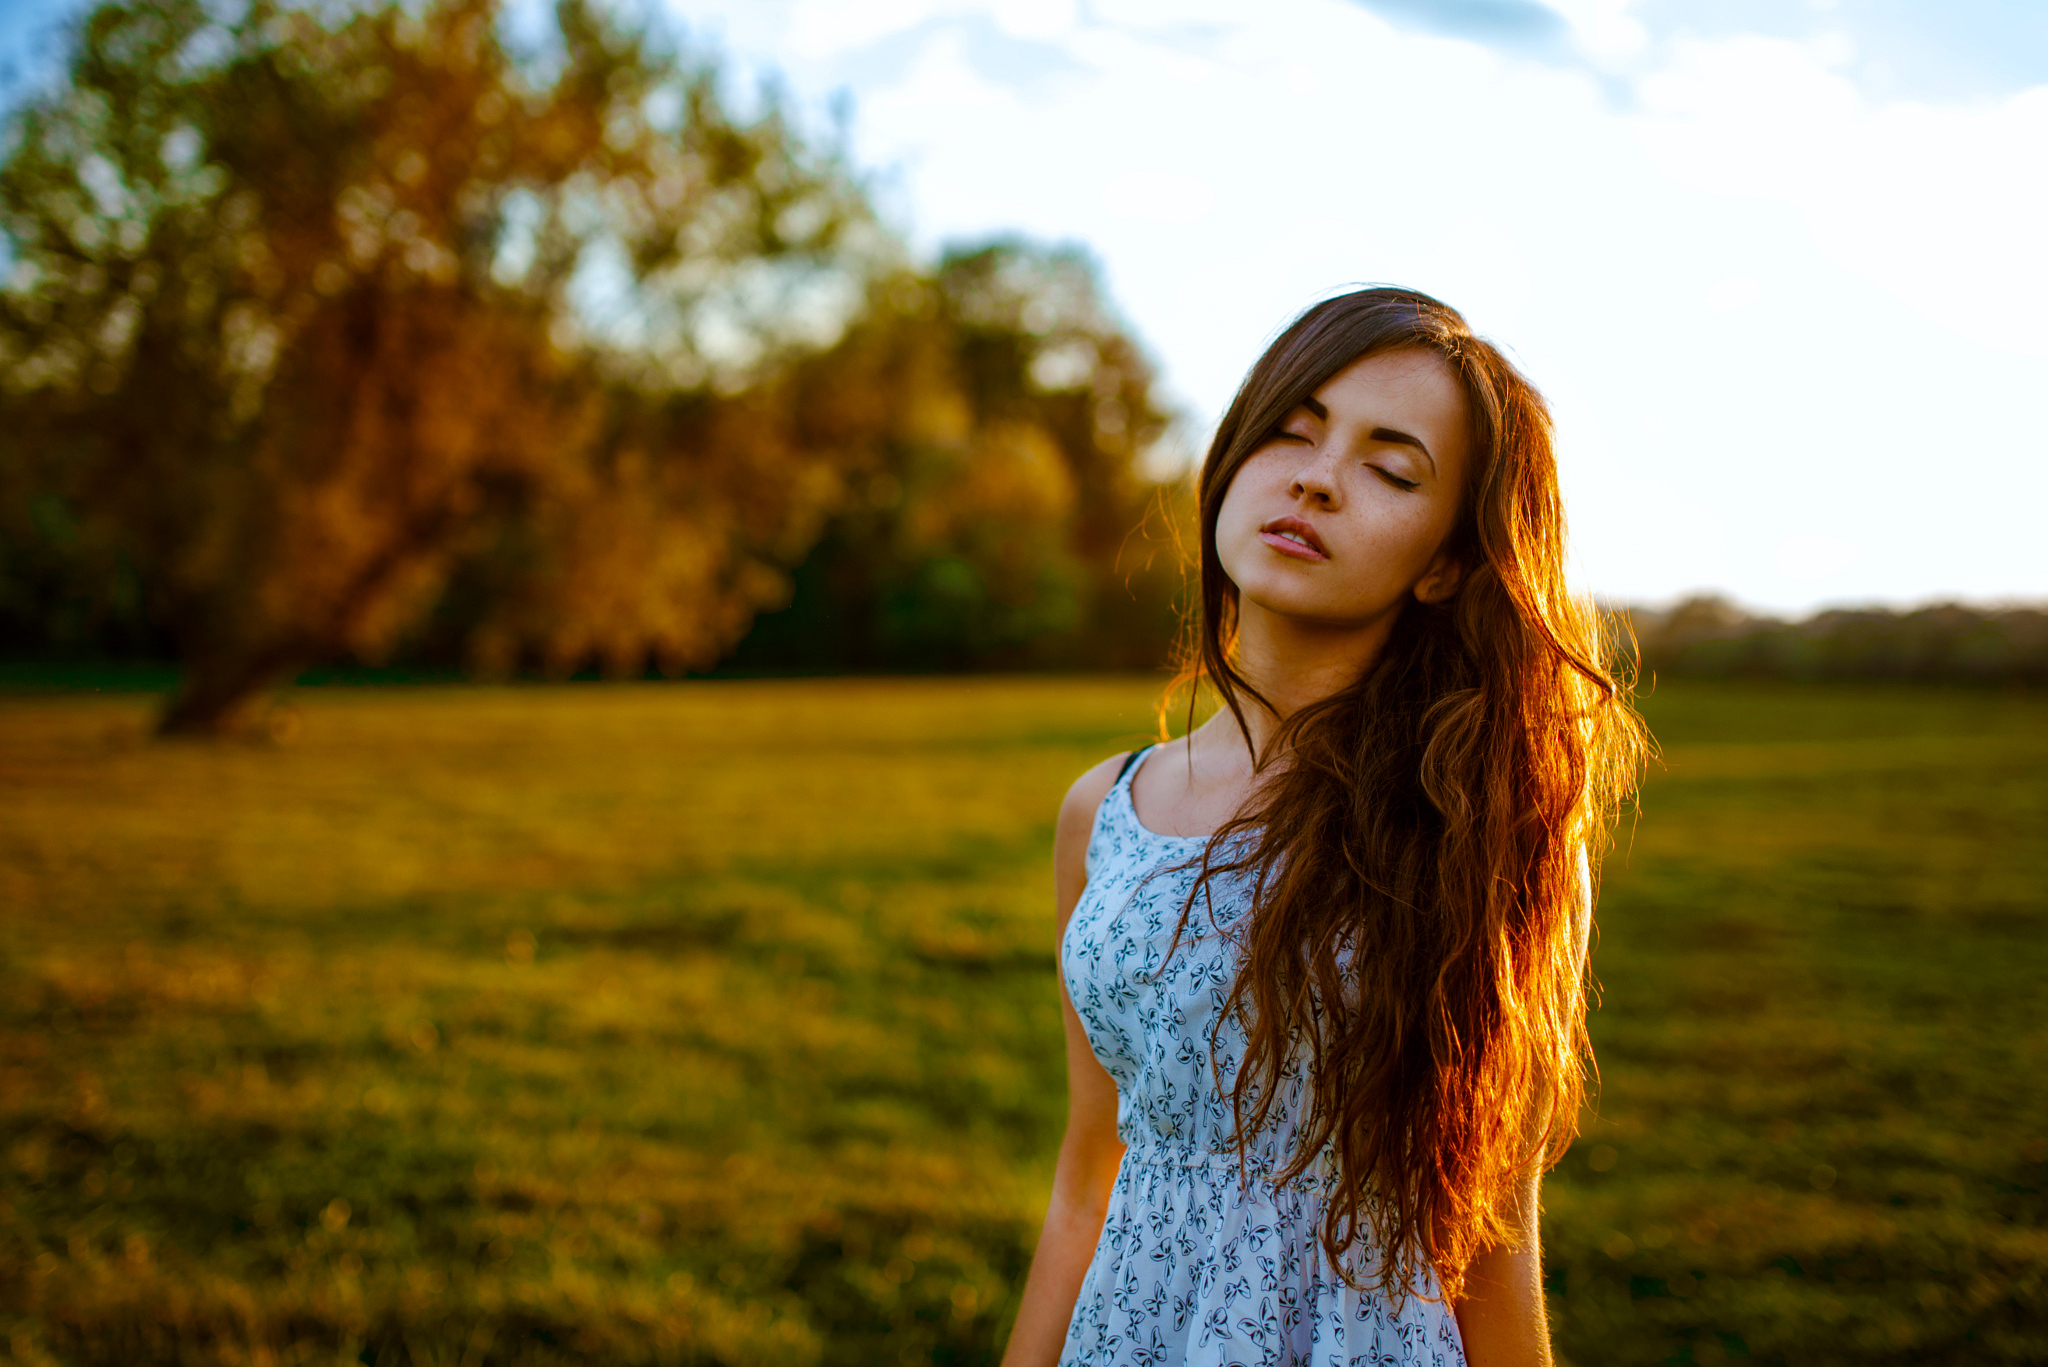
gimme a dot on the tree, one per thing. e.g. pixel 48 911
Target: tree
pixel 312 309
pixel 1000 517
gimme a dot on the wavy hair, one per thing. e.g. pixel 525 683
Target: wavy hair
pixel 1415 848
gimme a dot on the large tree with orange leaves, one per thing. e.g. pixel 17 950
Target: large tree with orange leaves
pixel 310 306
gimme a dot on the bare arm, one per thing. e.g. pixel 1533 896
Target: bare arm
pixel 1091 1151
pixel 1501 1317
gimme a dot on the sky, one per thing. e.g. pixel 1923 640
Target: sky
pixel 1777 264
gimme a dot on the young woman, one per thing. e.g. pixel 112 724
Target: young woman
pixel 1324 958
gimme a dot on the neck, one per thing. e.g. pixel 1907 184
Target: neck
pixel 1293 662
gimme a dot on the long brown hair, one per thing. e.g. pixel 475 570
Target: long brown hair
pixel 1419 921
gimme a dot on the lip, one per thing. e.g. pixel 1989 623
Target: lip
pixel 1280 530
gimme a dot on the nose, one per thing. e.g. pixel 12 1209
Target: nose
pixel 1315 479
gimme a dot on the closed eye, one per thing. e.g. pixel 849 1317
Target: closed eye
pixel 1390 477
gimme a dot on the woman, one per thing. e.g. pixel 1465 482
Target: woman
pixel 1324 957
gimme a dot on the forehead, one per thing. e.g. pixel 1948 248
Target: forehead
pixel 1412 389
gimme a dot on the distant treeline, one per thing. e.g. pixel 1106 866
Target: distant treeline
pixel 1709 637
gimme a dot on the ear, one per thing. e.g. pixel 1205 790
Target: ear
pixel 1440 580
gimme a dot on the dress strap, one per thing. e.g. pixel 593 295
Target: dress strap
pixel 1129 760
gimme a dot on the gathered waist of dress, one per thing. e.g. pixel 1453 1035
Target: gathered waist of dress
pixel 1226 1164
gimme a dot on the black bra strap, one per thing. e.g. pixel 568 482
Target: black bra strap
pixel 1129 760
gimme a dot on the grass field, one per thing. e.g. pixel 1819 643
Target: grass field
pixel 716 1023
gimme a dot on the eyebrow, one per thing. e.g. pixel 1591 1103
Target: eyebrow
pixel 1383 434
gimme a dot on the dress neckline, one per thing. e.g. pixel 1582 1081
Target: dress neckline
pixel 1131 808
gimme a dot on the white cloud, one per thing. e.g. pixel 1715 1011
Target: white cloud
pixel 1833 48
pixel 1604 29
pixel 1158 197
pixel 1734 293
pixel 1943 206
pixel 818 29
pixel 1790 332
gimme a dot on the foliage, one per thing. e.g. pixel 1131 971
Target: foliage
pixel 1003 520
pixel 715 1023
pixel 353 332
pixel 1708 637
pixel 313 303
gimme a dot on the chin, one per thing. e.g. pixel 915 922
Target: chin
pixel 1311 609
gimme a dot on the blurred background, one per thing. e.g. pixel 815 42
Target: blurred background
pixel 556 561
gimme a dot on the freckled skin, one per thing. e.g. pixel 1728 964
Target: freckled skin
pixel 1309 621
pixel 1382 540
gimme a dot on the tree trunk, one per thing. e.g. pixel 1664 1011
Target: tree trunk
pixel 224 697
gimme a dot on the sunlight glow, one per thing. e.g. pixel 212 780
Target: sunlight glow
pixel 1752 269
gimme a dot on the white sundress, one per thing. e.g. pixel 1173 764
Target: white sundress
pixel 1194 1267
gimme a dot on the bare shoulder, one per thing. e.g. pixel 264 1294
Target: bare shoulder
pixel 1076 825
pixel 1077 812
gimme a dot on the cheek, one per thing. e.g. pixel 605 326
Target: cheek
pixel 1259 484
pixel 1420 529
pixel 1236 519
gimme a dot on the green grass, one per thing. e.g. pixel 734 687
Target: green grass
pixel 716 1023
pixel 1820 1135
